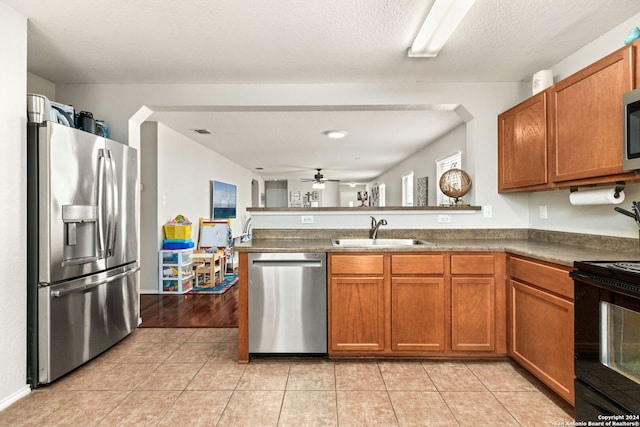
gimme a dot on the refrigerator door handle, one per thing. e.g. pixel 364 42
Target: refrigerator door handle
pixel 87 286
pixel 112 209
pixel 101 203
pixel 79 261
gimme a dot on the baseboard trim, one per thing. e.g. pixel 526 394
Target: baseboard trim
pixel 12 398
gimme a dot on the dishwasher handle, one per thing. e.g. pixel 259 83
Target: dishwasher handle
pixel 263 263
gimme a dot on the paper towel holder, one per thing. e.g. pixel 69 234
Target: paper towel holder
pixel 619 188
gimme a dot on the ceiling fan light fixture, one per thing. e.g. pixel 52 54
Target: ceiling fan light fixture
pixel 318 186
pixel 442 20
pixel 335 134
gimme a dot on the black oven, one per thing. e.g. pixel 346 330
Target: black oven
pixel 607 341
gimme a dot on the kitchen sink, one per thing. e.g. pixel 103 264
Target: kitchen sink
pixel 378 242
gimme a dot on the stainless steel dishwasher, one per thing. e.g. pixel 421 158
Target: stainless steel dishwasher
pixel 288 303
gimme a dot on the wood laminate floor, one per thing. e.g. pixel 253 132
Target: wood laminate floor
pixel 190 310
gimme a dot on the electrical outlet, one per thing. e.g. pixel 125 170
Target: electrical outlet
pixel 487 211
pixel 543 212
pixel 444 219
pixel 306 219
pixel 164 199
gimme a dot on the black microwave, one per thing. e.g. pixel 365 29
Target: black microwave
pixel 631 131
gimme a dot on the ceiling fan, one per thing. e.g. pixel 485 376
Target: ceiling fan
pixel 319 180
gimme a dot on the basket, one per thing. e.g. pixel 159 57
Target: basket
pixel 177 231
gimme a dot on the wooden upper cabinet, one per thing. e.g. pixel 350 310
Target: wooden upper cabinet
pixel 570 134
pixel 522 145
pixel 586 118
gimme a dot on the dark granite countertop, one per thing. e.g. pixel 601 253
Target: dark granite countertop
pixel 559 253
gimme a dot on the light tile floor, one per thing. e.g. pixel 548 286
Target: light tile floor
pixel 189 377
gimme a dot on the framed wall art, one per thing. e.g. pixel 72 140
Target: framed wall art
pixel 223 200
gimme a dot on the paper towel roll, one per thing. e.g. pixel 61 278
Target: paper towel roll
pixel 596 197
pixel 541 80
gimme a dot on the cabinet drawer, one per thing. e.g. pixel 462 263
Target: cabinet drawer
pixel 554 279
pixel 417 264
pixel 366 265
pixel 472 264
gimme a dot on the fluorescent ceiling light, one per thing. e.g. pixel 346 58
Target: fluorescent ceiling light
pixel 441 22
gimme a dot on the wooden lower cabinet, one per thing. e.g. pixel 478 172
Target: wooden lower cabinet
pixel 356 314
pixel 478 303
pixel 418 314
pixel 541 323
pixel 414 305
pixel 473 313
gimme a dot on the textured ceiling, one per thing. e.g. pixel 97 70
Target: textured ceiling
pixel 303 41
pixel 295 41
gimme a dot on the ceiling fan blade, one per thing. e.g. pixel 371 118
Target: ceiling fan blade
pixel 319 178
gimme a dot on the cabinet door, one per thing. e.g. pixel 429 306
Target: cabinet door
pixel 417 313
pixel 473 314
pixel 587 119
pixel 522 145
pixel 356 317
pixel 542 336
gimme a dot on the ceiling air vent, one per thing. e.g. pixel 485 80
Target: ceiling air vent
pixel 203 131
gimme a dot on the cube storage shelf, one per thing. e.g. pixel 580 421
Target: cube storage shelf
pixel 176 271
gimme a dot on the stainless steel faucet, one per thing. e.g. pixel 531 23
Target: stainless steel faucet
pixel 375 225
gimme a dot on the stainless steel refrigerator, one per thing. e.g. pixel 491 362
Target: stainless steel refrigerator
pixel 82 254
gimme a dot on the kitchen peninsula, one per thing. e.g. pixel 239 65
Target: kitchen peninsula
pixel 469 295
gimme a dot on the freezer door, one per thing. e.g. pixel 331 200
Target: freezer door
pixel 122 235
pixel 79 319
pixel 68 216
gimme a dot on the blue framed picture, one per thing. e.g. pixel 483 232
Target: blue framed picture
pixel 223 196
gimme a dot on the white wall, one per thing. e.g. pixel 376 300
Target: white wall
pixel 13 189
pixel 423 163
pixel 349 194
pixel 483 101
pixel 36 84
pixel 562 216
pixel 183 177
pixel 329 196
pixel 148 159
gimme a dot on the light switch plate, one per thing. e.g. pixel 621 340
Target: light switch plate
pixel 487 211
pixel 543 212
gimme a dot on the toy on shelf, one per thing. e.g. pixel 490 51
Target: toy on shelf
pixel 177 233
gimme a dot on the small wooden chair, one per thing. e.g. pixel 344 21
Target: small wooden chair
pixel 209 265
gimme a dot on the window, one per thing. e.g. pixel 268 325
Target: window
pixel 452 162
pixel 407 189
pixel 382 195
